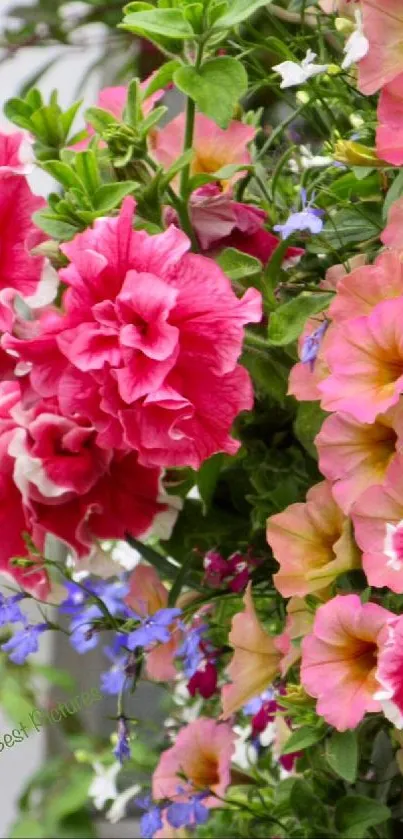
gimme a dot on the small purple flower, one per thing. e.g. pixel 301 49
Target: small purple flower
pixel 311 345
pixel 75 600
pixel 10 611
pixel 112 595
pixel 188 813
pixel 122 750
pixel 152 819
pixel 254 705
pixel 306 219
pixel 84 635
pixel 153 629
pixel 24 642
pixel 191 651
pixel 113 680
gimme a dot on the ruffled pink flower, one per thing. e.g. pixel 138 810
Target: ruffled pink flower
pixel 202 752
pixel 389 134
pixel 383 27
pixel 357 455
pixel 389 673
pixel 141 314
pixel 16 154
pixel 339 659
pixel 377 518
pixel 113 100
pixel 365 357
pixel 213 147
pixel 392 236
pixel 146 596
pixel 367 285
pixel 312 542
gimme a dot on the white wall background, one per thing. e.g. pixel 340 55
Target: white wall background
pixel 18 764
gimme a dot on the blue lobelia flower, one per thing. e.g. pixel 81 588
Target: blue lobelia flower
pixel 190 650
pixel 83 629
pixel 152 819
pixel 311 345
pixel 10 611
pixel 122 749
pixel 113 680
pixel 24 642
pixel 188 813
pixel 306 219
pixel 154 629
pixel 76 599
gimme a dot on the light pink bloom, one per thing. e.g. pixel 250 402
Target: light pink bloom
pixel 147 595
pixel 392 236
pixel 365 356
pixel 377 518
pixel 312 542
pixel 202 752
pixel 389 673
pixel 339 659
pixel 359 291
pixel 16 154
pixel 389 134
pixel 213 147
pixel 113 99
pixel 383 27
pixel 357 455
pixel 141 314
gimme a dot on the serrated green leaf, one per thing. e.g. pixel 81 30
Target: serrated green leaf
pixel 215 87
pixel 287 322
pixel 355 814
pixel 342 754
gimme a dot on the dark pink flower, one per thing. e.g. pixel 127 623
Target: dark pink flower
pixel 204 680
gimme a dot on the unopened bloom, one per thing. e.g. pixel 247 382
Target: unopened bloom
pixel 24 642
pixel 293 73
pixel 122 749
pixel 311 344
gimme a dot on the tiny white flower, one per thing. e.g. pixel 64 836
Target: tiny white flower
pixel 294 74
pixel 103 785
pixel 118 809
pixel 357 45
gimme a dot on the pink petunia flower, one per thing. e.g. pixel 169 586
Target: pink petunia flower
pixel 213 147
pixel 365 356
pixel 339 659
pixel 377 516
pixel 389 133
pixel 312 542
pixel 141 314
pixel 392 236
pixel 383 27
pixel 367 285
pixel 357 455
pixel 389 673
pixel 202 753
pixel 16 154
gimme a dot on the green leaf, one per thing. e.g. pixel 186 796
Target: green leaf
pixel 109 196
pixel 239 10
pixel 63 173
pixel 19 112
pixel 55 676
pixel 166 23
pixel 28 828
pixel 15 701
pixel 237 265
pixel 342 754
pixel 165 568
pixel 71 796
pixel 287 322
pixel 344 228
pixel 216 87
pixel 269 373
pixel 305 803
pixel 162 77
pixel 302 739
pixel 56 229
pixel 100 119
pixel 309 421
pixel 87 169
pixel 356 814
pixel 207 478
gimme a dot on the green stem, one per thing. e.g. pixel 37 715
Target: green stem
pixel 187 144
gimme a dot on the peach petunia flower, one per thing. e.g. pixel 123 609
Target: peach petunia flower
pixel 392 236
pixel 312 542
pixel 339 659
pixel 365 356
pixel 383 27
pixel 367 285
pixel 389 134
pixel 357 455
pixel 199 760
pixel 213 147
pixel 378 525
pixel 255 662
pixel 298 624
